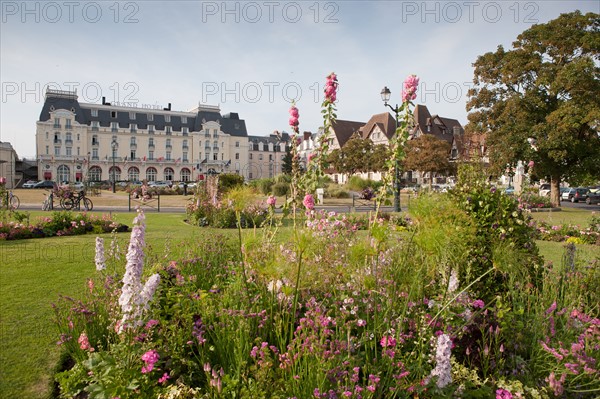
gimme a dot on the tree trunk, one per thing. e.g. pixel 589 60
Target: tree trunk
pixel 555 191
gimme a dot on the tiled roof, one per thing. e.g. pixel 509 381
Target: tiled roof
pixel 345 129
pixel 386 123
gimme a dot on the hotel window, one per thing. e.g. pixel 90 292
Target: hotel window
pixel 185 144
pixel 215 133
pixel 184 157
pixel 77 136
pixel 168 130
pixel 95 140
pixel 168 143
pixel 68 124
pixel 250 156
pixel 78 152
pixel 151 155
pixel 69 151
pixel 132 154
pixel 133 128
pixel 132 141
pixel 113 114
pixel 237 143
pixel 206 133
pixel 47 150
pixel 150 129
pixel 56 150
pixel 167 118
pixel 94 112
pixel 132 116
pixel 151 141
pixel 46 135
pixel 56 123
pixel 260 157
pixel 237 155
pixel 69 138
pixel 185 131
pixel 94 153
pixel 168 155
pixel 215 157
pixel 150 117
pixel 95 125
pixel 184 119
pixel 114 126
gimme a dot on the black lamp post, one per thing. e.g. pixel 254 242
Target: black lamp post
pixel 385 96
pixel 114 146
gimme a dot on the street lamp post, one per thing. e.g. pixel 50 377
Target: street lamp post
pixel 114 146
pixel 385 96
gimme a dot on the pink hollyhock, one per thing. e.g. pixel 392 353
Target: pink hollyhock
pixel 531 164
pixel 409 92
pixel 294 115
pixel 309 202
pixel 84 344
pixel 503 394
pixel 331 86
pixel 271 200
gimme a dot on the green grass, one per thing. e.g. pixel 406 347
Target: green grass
pixel 34 272
pixel 575 216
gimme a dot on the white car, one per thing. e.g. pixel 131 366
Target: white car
pixel 160 184
pixel 29 184
pixel 544 190
pixel 78 186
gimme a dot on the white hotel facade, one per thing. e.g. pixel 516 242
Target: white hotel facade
pixel 81 141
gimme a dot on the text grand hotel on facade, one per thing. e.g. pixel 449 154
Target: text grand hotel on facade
pixel 80 141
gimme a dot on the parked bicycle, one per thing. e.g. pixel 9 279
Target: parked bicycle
pixel 10 201
pixel 75 202
pixel 48 203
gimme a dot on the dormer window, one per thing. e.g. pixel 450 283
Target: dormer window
pixel 184 119
pixel 94 112
pixel 167 118
pixel 132 116
pixel 150 117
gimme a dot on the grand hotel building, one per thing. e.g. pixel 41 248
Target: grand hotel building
pixel 80 141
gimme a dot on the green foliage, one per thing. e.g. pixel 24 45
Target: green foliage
pixel 357 183
pixel 227 181
pixel 281 189
pixel 539 100
pixel 263 186
pixel 501 226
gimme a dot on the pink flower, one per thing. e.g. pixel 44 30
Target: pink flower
pixel 503 394
pixel 388 341
pixel 150 358
pixel 331 85
pixel 294 112
pixel 151 323
pixel 409 92
pixel 84 344
pixel 294 115
pixel 530 164
pixel 311 157
pixel 478 303
pixel 163 379
pixel 271 200
pixel 309 202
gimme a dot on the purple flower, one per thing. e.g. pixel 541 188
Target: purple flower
pixel 503 394
pixel 478 303
pixel 150 358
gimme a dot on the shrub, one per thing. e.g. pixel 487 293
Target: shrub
pixel 263 186
pixel 336 191
pixel 227 181
pixel 281 189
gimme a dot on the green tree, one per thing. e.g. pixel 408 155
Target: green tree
pixel 286 167
pixel 429 154
pixel 381 153
pixel 539 101
pixel 353 157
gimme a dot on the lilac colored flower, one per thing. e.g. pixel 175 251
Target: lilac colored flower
pixel 100 260
pixel 503 394
pixel 552 308
pixel 478 303
pixel 309 202
pixel 443 368
pixel 271 200
pixel 151 323
pixel 531 164
pixel 148 290
pixel 409 91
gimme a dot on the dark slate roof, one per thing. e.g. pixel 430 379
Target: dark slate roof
pixel 230 123
pixel 386 123
pixel 272 138
pixel 441 128
pixel 345 129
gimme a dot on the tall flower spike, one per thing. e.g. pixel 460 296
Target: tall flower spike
pixel 100 260
pixel 443 368
pixel 294 119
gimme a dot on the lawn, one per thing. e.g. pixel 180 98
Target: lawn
pixel 33 273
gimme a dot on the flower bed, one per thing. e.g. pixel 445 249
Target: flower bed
pixel 60 224
pixel 570 233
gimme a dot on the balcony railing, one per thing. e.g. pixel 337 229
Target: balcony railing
pixel 68 142
pixel 68 126
pixel 95 143
pixel 150 146
pixel 216 148
pixel 185 147
pixel 57 141
pixel 114 129
pixel 133 146
pixel 57 126
pixel 169 146
pixel 95 128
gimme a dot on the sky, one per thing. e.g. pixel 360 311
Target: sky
pixel 251 57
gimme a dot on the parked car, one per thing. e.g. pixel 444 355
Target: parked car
pixel 29 184
pixel 544 190
pixel 47 184
pixel 575 194
pixel 78 186
pixel 593 196
pixel 160 184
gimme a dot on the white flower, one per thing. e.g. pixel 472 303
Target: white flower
pixel 453 283
pixel 100 261
pixel 148 290
pixel 443 368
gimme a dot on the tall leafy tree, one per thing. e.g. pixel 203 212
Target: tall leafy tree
pixel 353 157
pixel 286 166
pixel 428 154
pixel 540 101
pixel 377 160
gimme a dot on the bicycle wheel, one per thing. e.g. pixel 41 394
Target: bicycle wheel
pixel 67 203
pixel 14 202
pixel 87 204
